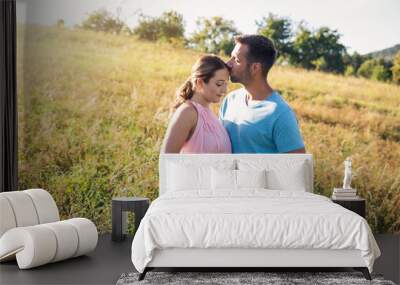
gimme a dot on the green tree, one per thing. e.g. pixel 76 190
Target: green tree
pixel 103 21
pixel 396 69
pixel 318 50
pixel 214 35
pixel 320 64
pixel 376 69
pixel 147 29
pixel 379 73
pixel 329 48
pixel 355 60
pixel 350 71
pixel 168 27
pixel 171 25
pixel 384 73
pixel 304 49
pixel 279 30
pixel 367 68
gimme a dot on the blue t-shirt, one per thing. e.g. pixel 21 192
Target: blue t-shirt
pixel 269 126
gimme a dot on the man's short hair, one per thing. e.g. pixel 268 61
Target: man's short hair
pixel 260 49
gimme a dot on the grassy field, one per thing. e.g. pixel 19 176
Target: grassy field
pixel 93 109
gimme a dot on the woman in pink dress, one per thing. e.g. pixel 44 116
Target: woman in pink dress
pixel 194 128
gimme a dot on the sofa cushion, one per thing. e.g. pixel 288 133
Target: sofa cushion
pixel 45 205
pixel 31 232
pixel 23 208
pixel 7 220
pixel 32 246
pixel 26 208
pixel 67 240
pixel 40 244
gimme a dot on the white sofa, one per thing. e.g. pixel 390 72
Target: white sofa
pixel 31 230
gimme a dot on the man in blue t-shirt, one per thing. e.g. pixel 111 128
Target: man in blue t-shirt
pixel 257 118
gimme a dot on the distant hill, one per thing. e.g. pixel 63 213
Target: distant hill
pixel 387 53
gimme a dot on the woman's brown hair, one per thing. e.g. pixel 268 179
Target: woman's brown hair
pixel 204 68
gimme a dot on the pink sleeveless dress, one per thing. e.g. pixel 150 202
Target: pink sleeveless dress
pixel 209 135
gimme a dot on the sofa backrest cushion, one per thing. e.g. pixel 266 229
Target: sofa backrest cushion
pixel 26 208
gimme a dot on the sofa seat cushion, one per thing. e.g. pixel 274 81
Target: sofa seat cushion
pixel 40 244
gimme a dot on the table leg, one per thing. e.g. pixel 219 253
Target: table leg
pixel 139 214
pixel 117 220
pixel 124 226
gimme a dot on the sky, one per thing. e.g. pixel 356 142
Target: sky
pixel 364 25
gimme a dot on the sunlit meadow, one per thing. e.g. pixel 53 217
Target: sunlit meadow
pixel 93 109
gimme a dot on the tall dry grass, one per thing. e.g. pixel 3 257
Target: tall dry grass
pixel 93 109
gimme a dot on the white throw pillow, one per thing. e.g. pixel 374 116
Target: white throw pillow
pixel 223 179
pixel 251 178
pixel 183 177
pixel 288 174
pixel 228 179
pixel 293 179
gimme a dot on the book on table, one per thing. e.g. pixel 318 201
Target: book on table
pixel 334 197
pixel 342 190
pixel 344 194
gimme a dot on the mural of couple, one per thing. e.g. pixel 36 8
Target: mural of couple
pixel 103 79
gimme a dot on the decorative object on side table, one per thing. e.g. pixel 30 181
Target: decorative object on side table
pixel 347 174
pixel 120 205
pixel 345 193
pixel 347 196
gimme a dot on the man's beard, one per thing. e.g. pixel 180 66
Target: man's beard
pixel 243 79
pixel 234 79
